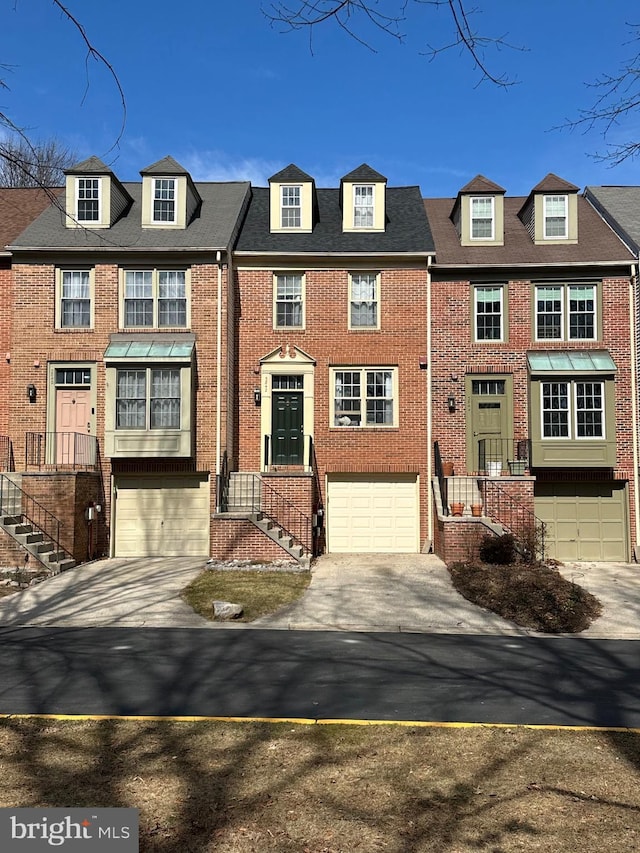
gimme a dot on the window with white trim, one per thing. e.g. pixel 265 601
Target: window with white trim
pixel 74 299
pixel 148 398
pixel 572 409
pixel 164 200
pixel 88 199
pixel 290 207
pixel 364 397
pixel 363 300
pixel 363 205
pixel 155 299
pixel 289 300
pixel 555 217
pixel 566 312
pixel 488 312
pixel 482 218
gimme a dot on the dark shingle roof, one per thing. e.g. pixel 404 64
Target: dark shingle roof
pixel 365 173
pixel 480 184
pixel 18 208
pixel 553 184
pixel 291 173
pixel 620 207
pixel 222 204
pixel 166 166
pixel 596 242
pixel 91 166
pixel 407 229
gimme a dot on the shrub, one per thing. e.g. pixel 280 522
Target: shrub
pixel 498 550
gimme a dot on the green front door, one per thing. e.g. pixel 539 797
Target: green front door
pixel 287 428
pixel 489 419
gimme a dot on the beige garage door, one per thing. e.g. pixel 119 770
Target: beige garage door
pixel 369 514
pixel 585 521
pixel 161 516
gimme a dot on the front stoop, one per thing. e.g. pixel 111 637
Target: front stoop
pixel 37 544
pixel 280 537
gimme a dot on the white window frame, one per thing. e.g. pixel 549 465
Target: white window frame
pixel 156 275
pixel 149 374
pixel 491 218
pixel 354 278
pixel 364 201
pixel 476 289
pixel 551 199
pixel 158 188
pixel 291 193
pixel 566 289
pixel 571 409
pixel 95 196
pixel 288 299
pixel 344 421
pixel 61 272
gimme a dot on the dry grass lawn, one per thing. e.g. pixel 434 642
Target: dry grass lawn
pixel 259 592
pixel 207 787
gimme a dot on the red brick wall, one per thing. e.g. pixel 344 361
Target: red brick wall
pixel 6 309
pixel 239 539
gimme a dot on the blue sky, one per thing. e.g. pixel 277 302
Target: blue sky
pixel 232 98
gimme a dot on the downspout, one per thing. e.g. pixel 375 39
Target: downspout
pixel 633 298
pixel 218 375
pixel 429 413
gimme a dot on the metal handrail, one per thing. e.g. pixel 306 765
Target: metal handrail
pixel 222 484
pixel 514 517
pixel 318 506
pixel 16 503
pixel 6 454
pixel 307 449
pixel 442 480
pixel 75 450
pixel 501 450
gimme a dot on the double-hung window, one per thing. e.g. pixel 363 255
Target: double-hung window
pixel 290 207
pixel 289 300
pixel 489 312
pixel 155 299
pixel 363 300
pixel 572 409
pixel 482 220
pixel 88 199
pixel 148 398
pixel 555 217
pixel 164 200
pixel 364 397
pixel 75 299
pixel 363 206
pixel 566 312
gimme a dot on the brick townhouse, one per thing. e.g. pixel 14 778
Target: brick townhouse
pixel 331 369
pixel 119 393
pixel 532 372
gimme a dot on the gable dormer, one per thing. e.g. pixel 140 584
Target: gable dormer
pixel 292 201
pixel 95 198
pixel 478 213
pixel 169 196
pixel 363 198
pixel 550 213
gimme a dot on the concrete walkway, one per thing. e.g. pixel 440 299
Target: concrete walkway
pixel 367 592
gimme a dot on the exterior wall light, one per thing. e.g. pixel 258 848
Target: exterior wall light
pixel 257 396
pixel 451 402
pixel 31 393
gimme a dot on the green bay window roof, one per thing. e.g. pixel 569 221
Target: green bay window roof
pixel 571 361
pixel 150 348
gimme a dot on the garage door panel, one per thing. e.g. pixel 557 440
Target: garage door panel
pixel 372 514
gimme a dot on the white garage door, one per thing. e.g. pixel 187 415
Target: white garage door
pixel 585 521
pixel 165 516
pixel 373 514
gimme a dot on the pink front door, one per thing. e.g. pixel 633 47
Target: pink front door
pixel 73 416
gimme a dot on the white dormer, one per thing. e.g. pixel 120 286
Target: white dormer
pixel 550 213
pixel 363 194
pixel 478 213
pixel 291 201
pixel 169 196
pixel 95 198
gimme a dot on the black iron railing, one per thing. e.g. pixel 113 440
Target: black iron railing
pixel 17 504
pixel 514 517
pixel 496 455
pixel 442 480
pixel 318 505
pixel 6 454
pixel 55 450
pixel 306 457
pixel 292 520
pixel 222 485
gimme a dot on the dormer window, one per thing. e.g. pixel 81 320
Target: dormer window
pixel 555 217
pixel 290 208
pixel 482 218
pixel 88 199
pixel 363 206
pixel 164 200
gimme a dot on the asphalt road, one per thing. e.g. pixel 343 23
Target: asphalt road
pixel 320 675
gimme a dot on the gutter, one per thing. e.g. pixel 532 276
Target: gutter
pixel 218 371
pixel 429 412
pixel 633 319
